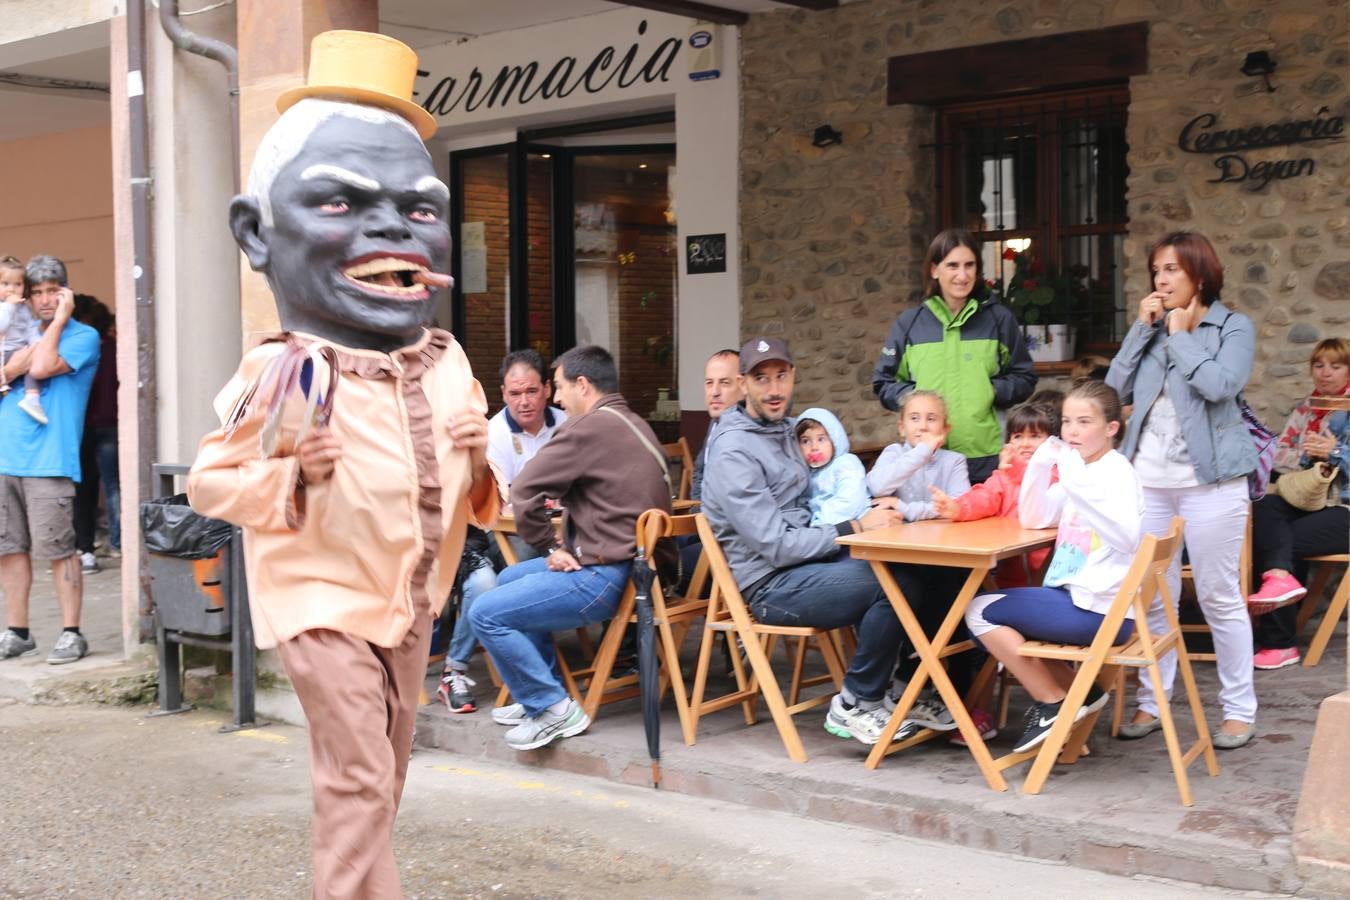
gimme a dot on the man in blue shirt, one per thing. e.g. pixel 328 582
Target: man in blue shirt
pixel 40 464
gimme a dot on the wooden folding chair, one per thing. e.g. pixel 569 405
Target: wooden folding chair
pixel 1335 612
pixel 677 452
pixel 1187 574
pixel 727 613
pixel 1147 576
pixel 672 616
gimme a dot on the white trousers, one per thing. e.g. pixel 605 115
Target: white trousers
pixel 1215 517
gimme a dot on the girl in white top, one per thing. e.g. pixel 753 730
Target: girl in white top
pixel 1098 507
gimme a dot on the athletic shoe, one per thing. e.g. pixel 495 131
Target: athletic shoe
pixel 1275 658
pixel 69 647
pixel 454 692
pixel 511 714
pixel 892 698
pixel 863 725
pixel 1276 591
pixel 12 646
pixel 1096 699
pixel 33 406
pixel 984 724
pixel 931 712
pixel 1041 718
pixel 88 563
pixel 548 727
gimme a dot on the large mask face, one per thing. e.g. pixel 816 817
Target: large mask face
pixel 354 217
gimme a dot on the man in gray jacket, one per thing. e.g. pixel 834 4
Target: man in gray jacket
pixel 755 494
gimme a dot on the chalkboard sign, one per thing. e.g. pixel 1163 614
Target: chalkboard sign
pixel 705 253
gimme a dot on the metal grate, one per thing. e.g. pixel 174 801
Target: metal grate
pixel 1044 176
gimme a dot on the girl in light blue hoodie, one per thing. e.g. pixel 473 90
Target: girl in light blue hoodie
pixel 838 479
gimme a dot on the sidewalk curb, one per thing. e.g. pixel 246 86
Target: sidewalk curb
pixel 887 806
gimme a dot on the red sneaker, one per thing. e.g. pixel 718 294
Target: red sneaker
pixel 983 721
pixel 1276 591
pixel 1273 658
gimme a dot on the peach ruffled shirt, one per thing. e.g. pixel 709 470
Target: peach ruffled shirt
pixel 378 543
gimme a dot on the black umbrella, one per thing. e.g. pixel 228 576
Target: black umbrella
pixel 649 675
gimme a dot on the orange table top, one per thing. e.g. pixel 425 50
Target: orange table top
pixel 1336 403
pixel 941 542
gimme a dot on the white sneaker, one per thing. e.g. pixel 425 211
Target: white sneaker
pixel 88 563
pixel 511 714
pixel 548 727
pixel 863 725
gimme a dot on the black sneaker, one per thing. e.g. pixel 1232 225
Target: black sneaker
pixel 1039 720
pixel 1096 699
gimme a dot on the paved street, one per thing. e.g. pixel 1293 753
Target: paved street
pixel 104 802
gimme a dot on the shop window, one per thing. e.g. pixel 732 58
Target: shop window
pixel 1043 175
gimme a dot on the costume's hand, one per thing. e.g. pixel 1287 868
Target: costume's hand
pixel 319 453
pixel 1318 445
pixel 469 430
pixel 946 507
pixel 1151 308
pixel 880 518
pixel 562 561
pixel 884 502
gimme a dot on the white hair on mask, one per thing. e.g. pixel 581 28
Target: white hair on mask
pixel 289 134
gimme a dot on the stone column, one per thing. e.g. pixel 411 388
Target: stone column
pixel 273 42
pixel 1322 823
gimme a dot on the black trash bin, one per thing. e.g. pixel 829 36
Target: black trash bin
pixel 200 596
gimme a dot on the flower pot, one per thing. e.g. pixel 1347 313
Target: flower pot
pixel 1049 343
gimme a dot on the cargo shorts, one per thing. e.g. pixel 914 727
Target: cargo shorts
pixel 37 517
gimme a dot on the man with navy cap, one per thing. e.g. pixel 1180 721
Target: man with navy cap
pixel 755 492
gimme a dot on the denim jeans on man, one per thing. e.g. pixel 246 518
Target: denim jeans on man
pixel 476 584
pixel 516 620
pixel 837 592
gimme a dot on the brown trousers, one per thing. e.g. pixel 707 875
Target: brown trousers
pixel 360 701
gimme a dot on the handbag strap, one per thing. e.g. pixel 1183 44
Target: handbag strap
pixel 660 457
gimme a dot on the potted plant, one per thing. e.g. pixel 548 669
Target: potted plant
pixel 1040 301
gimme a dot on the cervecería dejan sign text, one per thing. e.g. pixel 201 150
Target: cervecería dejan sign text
pixel 1231 146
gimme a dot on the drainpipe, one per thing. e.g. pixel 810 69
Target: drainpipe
pixel 211 48
pixel 143 250
pixel 143 271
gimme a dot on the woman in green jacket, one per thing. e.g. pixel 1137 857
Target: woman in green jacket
pixel 967 349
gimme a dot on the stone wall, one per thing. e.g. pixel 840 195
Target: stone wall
pixel 833 239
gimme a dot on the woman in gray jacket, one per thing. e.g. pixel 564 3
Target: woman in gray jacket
pixel 1183 365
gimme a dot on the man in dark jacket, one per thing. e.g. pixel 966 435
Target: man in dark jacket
pixel 755 495
pixel 605 468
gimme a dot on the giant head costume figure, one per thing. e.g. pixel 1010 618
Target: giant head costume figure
pixel 344 214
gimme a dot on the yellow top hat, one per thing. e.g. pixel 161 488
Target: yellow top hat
pixel 362 67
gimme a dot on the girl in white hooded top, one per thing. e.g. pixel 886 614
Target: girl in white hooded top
pixel 1098 507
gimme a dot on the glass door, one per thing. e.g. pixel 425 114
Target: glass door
pixel 625 261
pixel 557 246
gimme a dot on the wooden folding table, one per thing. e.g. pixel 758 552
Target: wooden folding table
pixel 978 546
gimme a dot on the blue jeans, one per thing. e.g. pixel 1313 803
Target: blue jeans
pixel 833 593
pixel 1044 614
pixel 516 621
pixel 476 583
pixel 98 464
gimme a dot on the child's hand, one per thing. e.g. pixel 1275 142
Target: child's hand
pixel 884 503
pixel 1006 456
pixel 934 440
pixel 946 507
